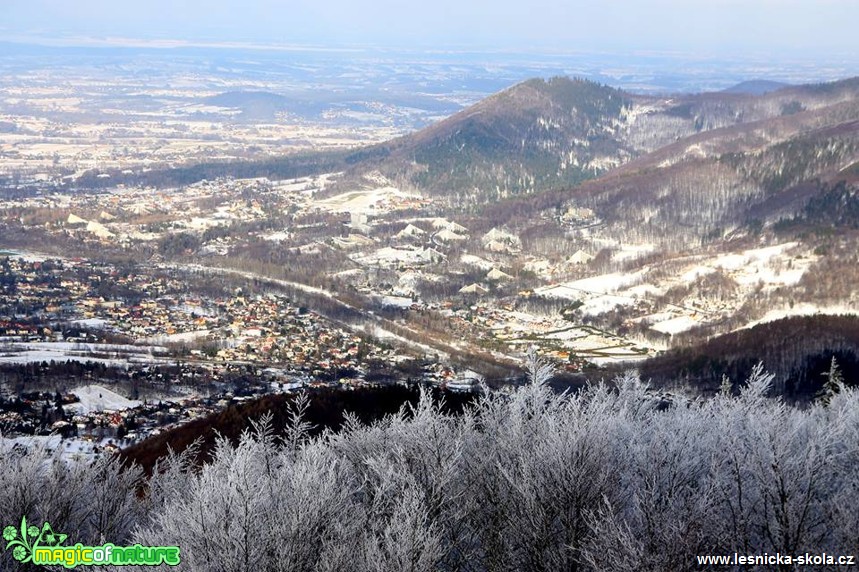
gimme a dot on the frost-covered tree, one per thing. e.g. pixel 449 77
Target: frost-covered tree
pixel 97 500
pixel 606 478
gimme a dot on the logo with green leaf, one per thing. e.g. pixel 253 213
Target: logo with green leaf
pixel 25 539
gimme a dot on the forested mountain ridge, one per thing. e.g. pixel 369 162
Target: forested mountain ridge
pixel 548 134
pixel 536 135
pixel 734 161
pixel 797 350
pixel 718 182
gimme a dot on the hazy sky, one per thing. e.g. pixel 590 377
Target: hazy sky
pixel 710 26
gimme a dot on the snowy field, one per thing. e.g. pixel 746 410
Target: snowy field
pixel 766 269
pixel 390 256
pixel 371 201
pixel 98 398
pixel 70 450
pixel 806 310
pixel 602 284
pixel 108 354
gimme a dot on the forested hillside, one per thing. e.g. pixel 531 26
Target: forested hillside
pixel 543 135
pixel 797 350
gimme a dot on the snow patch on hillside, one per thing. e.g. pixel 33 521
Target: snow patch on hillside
pixel 369 201
pixel 97 398
pixel 804 310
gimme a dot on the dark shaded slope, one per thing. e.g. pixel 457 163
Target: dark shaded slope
pixel 326 411
pixel 797 350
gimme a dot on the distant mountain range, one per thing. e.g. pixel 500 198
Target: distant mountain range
pixel 342 106
pixel 756 87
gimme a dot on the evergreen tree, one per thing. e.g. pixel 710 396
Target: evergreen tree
pixel 833 385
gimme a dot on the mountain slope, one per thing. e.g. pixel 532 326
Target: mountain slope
pixel 717 182
pixel 533 136
pixel 716 231
pixel 712 183
pixel 543 135
pixel 797 350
